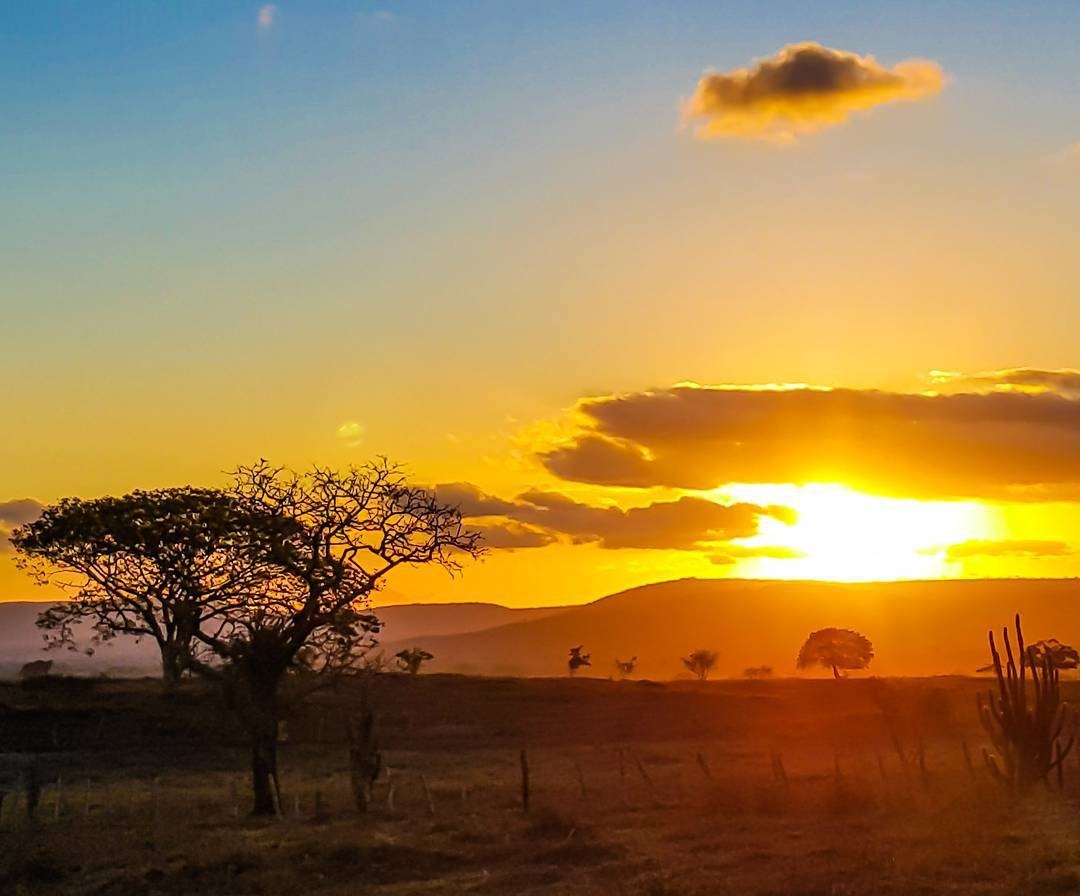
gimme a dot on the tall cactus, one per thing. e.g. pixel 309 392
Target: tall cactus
pixel 1025 724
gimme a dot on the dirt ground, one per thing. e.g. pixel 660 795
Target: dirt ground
pixel 807 788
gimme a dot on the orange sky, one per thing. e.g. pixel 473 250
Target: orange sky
pixel 576 303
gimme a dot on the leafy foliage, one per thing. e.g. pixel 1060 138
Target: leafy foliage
pixel 838 649
pixel 412 659
pixel 701 662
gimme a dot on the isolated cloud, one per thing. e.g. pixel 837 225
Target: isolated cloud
pixel 14 514
pixel 732 553
pixel 351 433
pixel 686 523
pixel 804 88
pixel 1016 445
pixel 1029 549
pixel 267 14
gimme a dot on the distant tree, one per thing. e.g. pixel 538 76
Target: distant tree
pixel 701 662
pixel 150 564
pixel 838 649
pixel 412 659
pixel 578 659
pixel 1061 656
pixel 35 669
pixel 758 672
pixel 626 667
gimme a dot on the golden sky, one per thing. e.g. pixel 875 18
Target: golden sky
pixel 794 298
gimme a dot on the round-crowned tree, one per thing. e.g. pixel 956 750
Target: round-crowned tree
pixel 839 649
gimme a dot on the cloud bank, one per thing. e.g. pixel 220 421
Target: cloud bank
pixel 537 518
pixel 995 444
pixel 804 88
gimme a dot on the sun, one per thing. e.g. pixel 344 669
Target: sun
pixel 845 535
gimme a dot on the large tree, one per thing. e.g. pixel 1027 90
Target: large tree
pixel 838 649
pixel 151 564
pixel 330 539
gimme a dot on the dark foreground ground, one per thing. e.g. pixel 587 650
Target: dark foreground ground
pixel 808 788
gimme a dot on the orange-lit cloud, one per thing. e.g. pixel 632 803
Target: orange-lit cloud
pixel 733 553
pixel 804 88
pixel 1030 549
pixel 536 518
pixel 1064 381
pixel 1015 445
pixel 14 514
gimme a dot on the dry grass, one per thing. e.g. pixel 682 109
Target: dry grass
pixel 681 795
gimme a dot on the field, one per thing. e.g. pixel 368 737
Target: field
pixel 807 788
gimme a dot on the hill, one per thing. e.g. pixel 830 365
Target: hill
pixel 918 628
pixel 21 641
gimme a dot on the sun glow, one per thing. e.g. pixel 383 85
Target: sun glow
pixel 845 535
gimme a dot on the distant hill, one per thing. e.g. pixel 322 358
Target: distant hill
pixel 918 628
pixel 21 641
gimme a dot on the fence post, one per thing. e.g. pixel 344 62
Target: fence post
pixel 524 760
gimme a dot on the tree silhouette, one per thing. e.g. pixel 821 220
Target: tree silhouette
pixel 701 662
pixel 626 667
pixel 412 659
pixel 577 659
pixel 1061 656
pixel 838 649
pixel 150 564
pixel 266 583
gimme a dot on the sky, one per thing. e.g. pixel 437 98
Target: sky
pixel 651 290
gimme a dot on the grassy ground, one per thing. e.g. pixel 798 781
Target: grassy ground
pixel 805 788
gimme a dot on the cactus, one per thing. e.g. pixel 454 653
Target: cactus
pixel 365 760
pixel 1025 723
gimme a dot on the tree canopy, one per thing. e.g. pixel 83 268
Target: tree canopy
pixel 838 649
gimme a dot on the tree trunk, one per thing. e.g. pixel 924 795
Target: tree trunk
pixel 264 775
pixel 835 671
pixel 171 667
pixel 258 710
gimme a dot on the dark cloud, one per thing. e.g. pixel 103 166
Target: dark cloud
pixel 1029 549
pixel 803 88
pixel 14 514
pixel 686 523
pixel 1019 445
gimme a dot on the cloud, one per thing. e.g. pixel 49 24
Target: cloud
pixel 687 523
pixel 732 553
pixel 14 514
pixel 804 88
pixel 267 15
pixel 351 433
pixel 1063 381
pixel 510 535
pixel 1028 549
pixel 1007 445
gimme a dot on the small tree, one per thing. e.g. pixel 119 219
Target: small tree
pixel 150 564
pixel 1061 656
pixel 838 649
pixel 412 659
pixel 578 659
pixel 626 668
pixel 701 662
pixel 758 672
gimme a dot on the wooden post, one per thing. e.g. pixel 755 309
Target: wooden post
pixel 427 795
pixel 968 764
pixel 644 774
pixel 581 781
pixel 704 766
pixel 524 761
pixel 780 773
